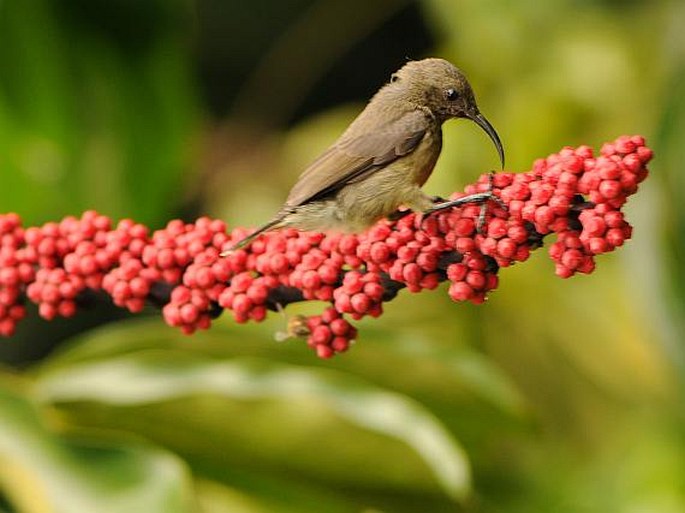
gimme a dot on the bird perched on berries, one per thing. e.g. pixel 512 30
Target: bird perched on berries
pixel 385 156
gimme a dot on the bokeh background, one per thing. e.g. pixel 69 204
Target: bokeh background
pixel 554 396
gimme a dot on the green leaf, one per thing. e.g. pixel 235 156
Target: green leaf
pixel 42 471
pixel 95 116
pixel 306 404
pixel 258 494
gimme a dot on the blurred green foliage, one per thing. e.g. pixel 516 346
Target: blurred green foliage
pixel 92 116
pixel 555 396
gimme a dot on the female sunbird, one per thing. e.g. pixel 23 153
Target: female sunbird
pixel 385 156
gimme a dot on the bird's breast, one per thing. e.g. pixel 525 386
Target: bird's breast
pixel 419 164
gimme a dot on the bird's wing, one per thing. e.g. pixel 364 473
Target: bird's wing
pixel 353 158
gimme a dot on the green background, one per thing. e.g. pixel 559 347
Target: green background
pixel 554 396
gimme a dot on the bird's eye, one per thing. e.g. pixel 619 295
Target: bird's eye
pixel 451 94
pixel 394 77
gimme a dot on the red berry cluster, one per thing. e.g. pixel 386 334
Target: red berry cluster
pixel 408 251
pixel 15 273
pixel 502 241
pixel 571 194
pixel 173 249
pixel 188 309
pixel 55 291
pixel 189 253
pixel 360 294
pixel 471 279
pixel 129 284
pixel 330 333
pixel 70 257
pixel 247 295
pixel 317 269
pixel 606 181
pixel 127 280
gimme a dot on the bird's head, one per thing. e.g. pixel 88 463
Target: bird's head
pixel 441 87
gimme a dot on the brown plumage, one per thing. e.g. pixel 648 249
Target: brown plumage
pixel 386 154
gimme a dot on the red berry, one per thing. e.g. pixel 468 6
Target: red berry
pixel 412 273
pixel 610 188
pixel 339 327
pixel 321 335
pixel 460 291
pixel 379 252
pixel 360 303
pixel 615 237
pixel 476 279
pixel 323 351
pixel 572 258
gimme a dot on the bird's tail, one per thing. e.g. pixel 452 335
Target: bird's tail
pixel 246 240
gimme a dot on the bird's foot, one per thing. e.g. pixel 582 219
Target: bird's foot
pixel 420 216
pixel 480 197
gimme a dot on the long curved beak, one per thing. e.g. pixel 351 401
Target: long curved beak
pixel 482 122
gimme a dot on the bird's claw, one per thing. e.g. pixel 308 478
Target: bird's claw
pixel 479 197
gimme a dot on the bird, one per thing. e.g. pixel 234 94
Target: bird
pixel 381 161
